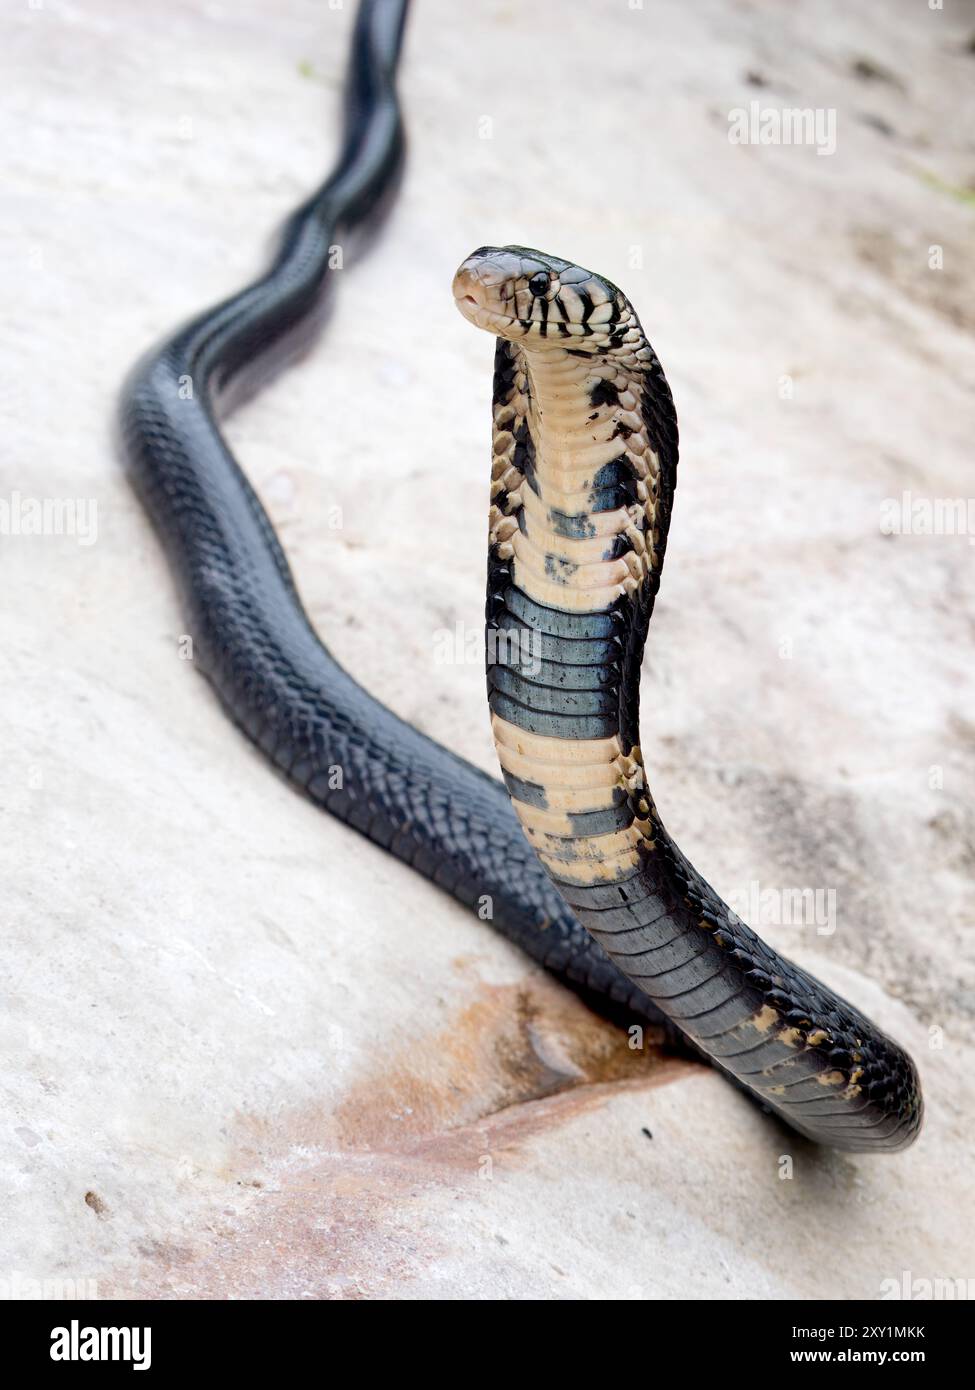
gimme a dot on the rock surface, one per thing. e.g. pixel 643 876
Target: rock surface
pixel 245 1053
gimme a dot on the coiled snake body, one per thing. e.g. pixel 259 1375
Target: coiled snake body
pixel 585 453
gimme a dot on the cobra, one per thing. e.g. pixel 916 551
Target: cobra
pixel 585 447
pixel 583 475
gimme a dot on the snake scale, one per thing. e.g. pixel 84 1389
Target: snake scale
pixel 571 852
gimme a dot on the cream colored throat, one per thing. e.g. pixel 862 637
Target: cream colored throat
pixel 565 551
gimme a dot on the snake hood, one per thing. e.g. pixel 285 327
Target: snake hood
pixel 540 301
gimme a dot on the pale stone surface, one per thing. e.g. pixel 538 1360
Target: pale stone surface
pixel 244 1052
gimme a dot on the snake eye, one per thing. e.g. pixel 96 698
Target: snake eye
pixel 538 284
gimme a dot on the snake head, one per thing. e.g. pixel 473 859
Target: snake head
pixel 539 301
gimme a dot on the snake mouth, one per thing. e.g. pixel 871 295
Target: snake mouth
pixel 509 326
pixel 472 297
pixel 482 316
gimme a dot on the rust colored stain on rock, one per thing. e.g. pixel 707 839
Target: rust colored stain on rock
pixel 513 1045
pixel 348 1220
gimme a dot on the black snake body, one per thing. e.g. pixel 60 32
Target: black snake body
pixel 814 1060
